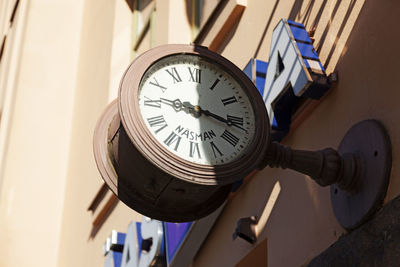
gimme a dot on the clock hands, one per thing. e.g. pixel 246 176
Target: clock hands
pixel 228 122
pixel 176 104
pixel 197 111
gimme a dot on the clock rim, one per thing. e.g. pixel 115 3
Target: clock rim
pixel 111 171
pixel 150 147
pixel 100 146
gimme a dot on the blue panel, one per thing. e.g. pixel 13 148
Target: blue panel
pixel 139 237
pixel 121 238
pixel 306 63
pixel 117 256
pixel 274 123
pixel 162 248
pixel 248 70
pixel 175 233
pixel 308 51
pixel 294 23
pixel 300 34
pixel 261 73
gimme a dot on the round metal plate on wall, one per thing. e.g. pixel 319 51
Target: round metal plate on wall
pixel 369 141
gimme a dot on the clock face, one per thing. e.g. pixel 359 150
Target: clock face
pixel 196 110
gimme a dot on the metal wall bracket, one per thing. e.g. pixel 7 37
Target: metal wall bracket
pixel 246 229
pixel 370 142
pixel 358 171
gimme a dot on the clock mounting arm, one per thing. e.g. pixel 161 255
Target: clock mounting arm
pixel 358 171
pixel 325 167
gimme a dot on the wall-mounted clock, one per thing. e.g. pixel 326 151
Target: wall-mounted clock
pixel 187 124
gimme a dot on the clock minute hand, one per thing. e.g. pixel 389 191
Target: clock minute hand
pixel 215 116
pixel 196 111
pixel 227 121
pixel 233 123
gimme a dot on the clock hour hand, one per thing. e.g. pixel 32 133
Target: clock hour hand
pixel 176 104
pixel 194 110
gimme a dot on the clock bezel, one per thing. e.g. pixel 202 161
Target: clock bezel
pixel 156 153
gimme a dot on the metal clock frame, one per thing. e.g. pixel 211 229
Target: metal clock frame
pixel 151 148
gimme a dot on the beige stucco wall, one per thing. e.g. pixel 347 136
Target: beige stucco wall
pixel 68 68
pixel 356 38
pixel 72 57
pixel 172 24
pixel 105 51
pixel 33 172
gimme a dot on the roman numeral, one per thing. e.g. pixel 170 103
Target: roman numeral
pixel 235 120
pixel 230 138
pixel 194 147
pixel 158 122
pixel 195 75
pixel 175 75
pixel 229 100
pixel 214 84
pixel 155 83
pixel 215 149
pixel 173 138
pixel 152 103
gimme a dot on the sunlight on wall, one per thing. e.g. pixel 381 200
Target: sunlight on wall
pixel 262 222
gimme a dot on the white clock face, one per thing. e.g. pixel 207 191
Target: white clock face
pixel 196 110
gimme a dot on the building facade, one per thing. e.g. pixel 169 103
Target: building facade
pixel 61 63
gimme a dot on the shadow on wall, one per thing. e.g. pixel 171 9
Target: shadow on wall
pixel 190 8
pixel 132 5
pixel 331 22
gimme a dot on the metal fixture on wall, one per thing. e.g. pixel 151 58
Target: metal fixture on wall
pixel 358 173
pixel 149 176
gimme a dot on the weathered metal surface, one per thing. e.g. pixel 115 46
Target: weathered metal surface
pixel 359 171
pixel 369 141
pixel 144 187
